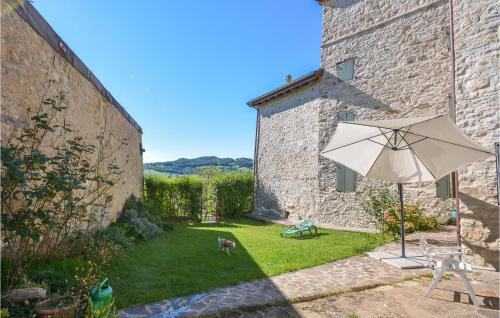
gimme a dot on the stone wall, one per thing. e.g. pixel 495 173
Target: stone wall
pixel 478 86
pixel 28 62
pixel 287 162
pixel 401 69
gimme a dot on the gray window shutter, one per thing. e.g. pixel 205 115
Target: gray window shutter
pixel 443 187
pixel 349 70
pixel 345 70
pixel 340 173
pixel 346 178
pixel 341 71
pixel 350 180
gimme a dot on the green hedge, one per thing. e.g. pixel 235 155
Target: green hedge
pixel 232 193
pixel 229 194
pixel 178 197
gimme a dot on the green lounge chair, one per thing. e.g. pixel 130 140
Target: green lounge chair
pixel 299 229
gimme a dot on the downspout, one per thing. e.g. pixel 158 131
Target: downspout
pixel 255 158
pixel 453 112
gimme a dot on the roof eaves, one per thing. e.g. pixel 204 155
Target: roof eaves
pixel 301 81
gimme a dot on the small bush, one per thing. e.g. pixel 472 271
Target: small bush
pixel 414 220
pixel 117 235
pixel 376 202
pixel 137 227
pixel 54 282
pixel 149 210
pixel 383 206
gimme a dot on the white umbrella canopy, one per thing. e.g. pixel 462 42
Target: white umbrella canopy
pixel 403 150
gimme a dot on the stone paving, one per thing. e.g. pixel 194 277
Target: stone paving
pixel 406 299
pixel 356 271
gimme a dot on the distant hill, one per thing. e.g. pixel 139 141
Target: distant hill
pixel 189 166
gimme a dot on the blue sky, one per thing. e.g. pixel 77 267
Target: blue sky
pixel 185 69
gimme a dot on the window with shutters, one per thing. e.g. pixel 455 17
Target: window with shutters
pixel 443 187
pixel 346 116
pixel 345 70
pixel 346 178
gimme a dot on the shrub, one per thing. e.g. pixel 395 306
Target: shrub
pixel 137 227
pixel 54 281
pixel 232 193
pixel 49 187
pixel 383 206
pixel 414 220
pixel 117 235
pixel 376 202
pixel 229 194
pixel 149 210
pixel 177 197
pixel 94 255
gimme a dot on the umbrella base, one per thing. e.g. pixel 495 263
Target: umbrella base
pixel 412 260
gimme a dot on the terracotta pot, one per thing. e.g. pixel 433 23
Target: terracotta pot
pixel 66 312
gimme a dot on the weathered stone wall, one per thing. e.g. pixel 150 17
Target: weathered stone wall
pixel 401 69
pixel 287 165
pixel 27 65
pixel 478 87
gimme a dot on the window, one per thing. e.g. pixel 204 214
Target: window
pixel 345 70
pixel 346 178
pixel 443 187
pixel 346 116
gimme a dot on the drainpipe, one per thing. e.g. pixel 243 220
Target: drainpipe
pixel 453 112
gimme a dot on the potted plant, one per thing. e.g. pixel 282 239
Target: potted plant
pixel 57 307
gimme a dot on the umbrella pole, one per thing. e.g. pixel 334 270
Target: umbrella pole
pixel 401 219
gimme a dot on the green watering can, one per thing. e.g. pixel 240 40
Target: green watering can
pixel 101 294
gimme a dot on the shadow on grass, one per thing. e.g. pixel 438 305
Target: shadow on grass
pixel 189 263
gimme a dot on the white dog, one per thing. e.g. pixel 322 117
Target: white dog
pixel 225 245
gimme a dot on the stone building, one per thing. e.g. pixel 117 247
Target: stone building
pixel 32 54
pixel 382 60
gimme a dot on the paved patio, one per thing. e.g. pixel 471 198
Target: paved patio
pixel 353 272
pixel 405 299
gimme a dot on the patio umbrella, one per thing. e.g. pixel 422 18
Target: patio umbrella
pixel 403 150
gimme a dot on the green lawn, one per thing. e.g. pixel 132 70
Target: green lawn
pixel 187 259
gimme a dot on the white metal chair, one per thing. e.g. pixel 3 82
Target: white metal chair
pixel 443 259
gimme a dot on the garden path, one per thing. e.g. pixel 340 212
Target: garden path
pixel 350 273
